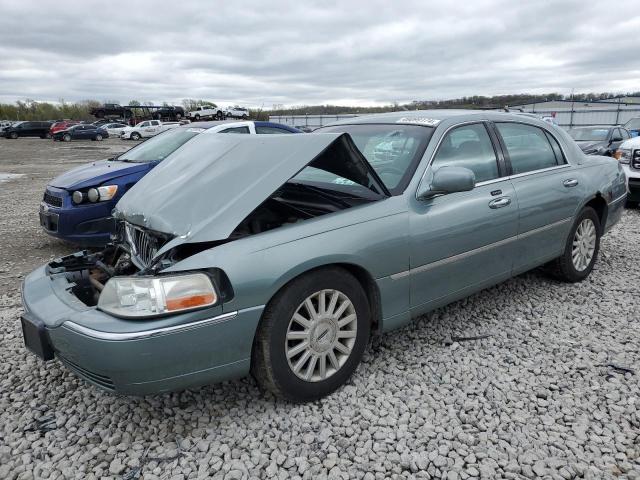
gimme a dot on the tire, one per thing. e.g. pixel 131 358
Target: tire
pixel 244 117
pixel 197 118
pixel 13 135
pixel 98 138
pixel 565 267
pixel 271 366
pixel 135 136
pixel 48 135
pixel 220 115
pixel 66 137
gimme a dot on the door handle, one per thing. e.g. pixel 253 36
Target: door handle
pixel 499 202
pixel 570 182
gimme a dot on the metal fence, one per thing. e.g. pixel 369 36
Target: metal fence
pixel 569 117
pixel 309 121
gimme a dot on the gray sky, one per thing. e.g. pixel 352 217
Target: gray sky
pixel 352 52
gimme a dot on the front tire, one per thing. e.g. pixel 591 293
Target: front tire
pixel 13 135
pixel 312 335
pixel 197 118
pixel 98 138
pixel 135 136
pixel 66 138
pixel 581 248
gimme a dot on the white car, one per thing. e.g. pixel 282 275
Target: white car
pixel 145 129
pixel 211 112
pixel 114 129
pixel 237 112
pixel 628 154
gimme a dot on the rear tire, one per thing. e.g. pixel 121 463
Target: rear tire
pixel 197 118
pixel 303 355
pixel 581 248
pixel 13 135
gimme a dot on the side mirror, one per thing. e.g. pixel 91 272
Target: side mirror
pixel 448 180
pixel 616 139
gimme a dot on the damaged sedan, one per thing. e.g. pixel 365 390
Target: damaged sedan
pixel 280 255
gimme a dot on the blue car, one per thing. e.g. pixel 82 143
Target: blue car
pixel 77 205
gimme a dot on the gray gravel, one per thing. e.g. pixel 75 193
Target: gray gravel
pixel 544 396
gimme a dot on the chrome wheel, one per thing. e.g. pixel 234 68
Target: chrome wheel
pixel 584 245
pixel 321 335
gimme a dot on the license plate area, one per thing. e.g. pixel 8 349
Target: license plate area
pixel 48 220
pixel 36 337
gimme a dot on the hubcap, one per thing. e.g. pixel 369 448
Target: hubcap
pixel 584 245
pixel 321 335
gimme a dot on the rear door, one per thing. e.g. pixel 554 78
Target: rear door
pixel 464 241
pixel 548 190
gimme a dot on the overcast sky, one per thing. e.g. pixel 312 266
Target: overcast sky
pixel 350 52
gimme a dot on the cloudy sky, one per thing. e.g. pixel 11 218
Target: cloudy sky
pixel 357 52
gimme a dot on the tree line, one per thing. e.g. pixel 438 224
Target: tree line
pixel 34 110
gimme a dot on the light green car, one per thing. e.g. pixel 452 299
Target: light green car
pixel 280 255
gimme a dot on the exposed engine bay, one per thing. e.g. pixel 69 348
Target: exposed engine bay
pixel 133 249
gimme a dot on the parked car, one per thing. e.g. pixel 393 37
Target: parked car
pixel 27 129
pixel 208 112
pixel 63 125
pixel 279 255
pixel 170 112
pixel 102 121
pixel 146 129
pixel 113 110
pixel 81 132
pixel 633 126
pixel 629 156
pixel 77 205
pixel 599 139
pixel 237 112
pixel 114 129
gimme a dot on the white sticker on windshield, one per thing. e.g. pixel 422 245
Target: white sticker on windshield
pixel 421 120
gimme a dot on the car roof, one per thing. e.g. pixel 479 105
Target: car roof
pixel 434 117
pixel 596 126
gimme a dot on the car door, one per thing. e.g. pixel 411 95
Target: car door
pixel 463 241
pixel 549 191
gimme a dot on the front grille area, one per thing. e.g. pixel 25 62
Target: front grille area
pixel 52 199
pixel 95 378
pixel 635 159
pixel 143 245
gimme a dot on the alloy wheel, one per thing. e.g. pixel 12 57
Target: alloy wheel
pixel 584 245
pixel 321 335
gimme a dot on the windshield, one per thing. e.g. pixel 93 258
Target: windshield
pixel 589 134
pixel 633 124
pixel 161 146
pixel 392 150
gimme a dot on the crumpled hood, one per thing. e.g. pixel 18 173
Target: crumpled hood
pixel 96 173
pixel 207 187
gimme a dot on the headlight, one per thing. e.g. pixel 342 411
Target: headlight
pixel 139 297
pixel 77 197
pixel 624 156
pixel 102 194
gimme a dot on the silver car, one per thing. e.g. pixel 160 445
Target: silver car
pixel 279 255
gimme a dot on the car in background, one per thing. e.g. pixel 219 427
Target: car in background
pixel 633 126
pixel 81 132
pixel 237 112
pixel 63 125
pixel 113 110
pixel 206 112
pixel 168 112
pixel 146 129
pixel 77 205
pixel 102 121
pixel 281 256
pixel 113 128
pixel 27 129
pixel 599 139
pixel 629 156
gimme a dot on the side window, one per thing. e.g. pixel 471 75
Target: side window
pixel 155 123
pixel 236 130
pixel 528 147
pixel 625 134
pixel 468 146
pixel 560 160
pixel 271 130
pixel 145 124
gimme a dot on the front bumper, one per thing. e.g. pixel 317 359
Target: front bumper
pixel 633 183
pixel 136 357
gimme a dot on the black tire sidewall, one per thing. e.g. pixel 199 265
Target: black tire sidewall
pixel 281 312
pixel 571 271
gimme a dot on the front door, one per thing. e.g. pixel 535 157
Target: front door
pixel 549 191
pixel 462 242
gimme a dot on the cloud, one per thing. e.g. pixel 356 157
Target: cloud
pixel 357 52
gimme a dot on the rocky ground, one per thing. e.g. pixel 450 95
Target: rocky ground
pixel 552 392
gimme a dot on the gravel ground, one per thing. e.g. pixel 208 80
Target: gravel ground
pixel 545 395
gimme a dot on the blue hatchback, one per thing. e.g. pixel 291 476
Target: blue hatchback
pixel 77 205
